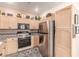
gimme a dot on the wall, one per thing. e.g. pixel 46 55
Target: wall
pixel 75 40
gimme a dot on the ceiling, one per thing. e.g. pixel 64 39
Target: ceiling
pixel 30 6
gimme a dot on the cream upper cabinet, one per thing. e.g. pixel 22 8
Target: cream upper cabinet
pixel 34 24
pixel 63 17
pixel 8 22
pixel 12 22
pixel 4 24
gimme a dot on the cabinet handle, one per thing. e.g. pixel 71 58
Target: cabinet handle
pixel 76 19
pixel 74 31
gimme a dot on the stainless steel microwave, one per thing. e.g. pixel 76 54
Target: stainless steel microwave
pixel 23 26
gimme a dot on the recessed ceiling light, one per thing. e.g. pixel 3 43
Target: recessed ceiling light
pixel 36 9
pixel 1 43
pixel 10 2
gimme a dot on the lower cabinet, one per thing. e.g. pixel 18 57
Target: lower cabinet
pixel 11 45
pixel 63 42
pixel 35 40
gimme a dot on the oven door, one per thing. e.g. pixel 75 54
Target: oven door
pixel 24 42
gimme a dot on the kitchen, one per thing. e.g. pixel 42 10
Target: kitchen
pixel 25 32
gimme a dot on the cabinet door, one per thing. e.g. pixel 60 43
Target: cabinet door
pixel 63 36
pixel 7 22
pixel 63 17
pixel 35 40
pixel 4 23
pixel 11 45
pixel 12 22
pixel 63 43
